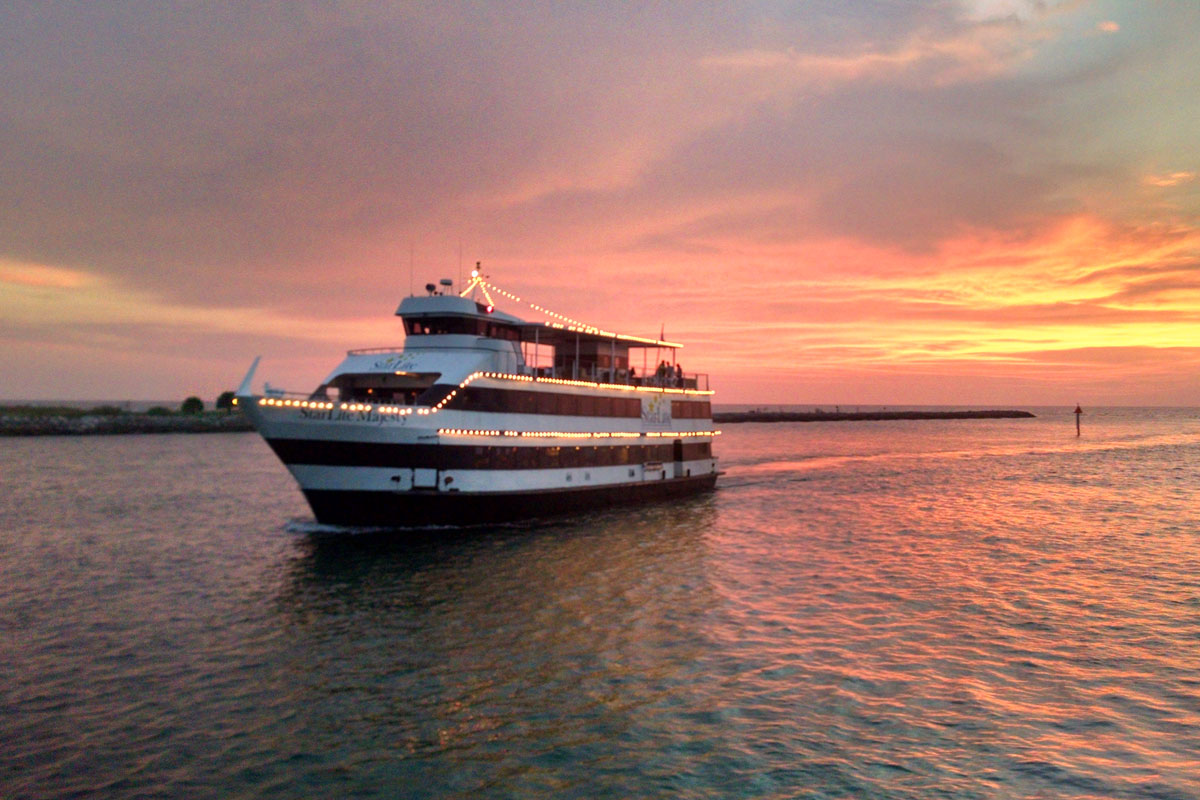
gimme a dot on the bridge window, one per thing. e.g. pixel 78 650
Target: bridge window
pixel 468 326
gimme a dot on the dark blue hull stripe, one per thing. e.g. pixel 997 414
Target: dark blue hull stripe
pixel 420 508
pixel 443 456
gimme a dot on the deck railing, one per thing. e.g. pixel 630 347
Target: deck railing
pixel 669 380
pixel 697 381
pixel 688 380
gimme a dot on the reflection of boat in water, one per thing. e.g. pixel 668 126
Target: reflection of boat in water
pixel 484 417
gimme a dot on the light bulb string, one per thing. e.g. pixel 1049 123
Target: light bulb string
pixel 484 285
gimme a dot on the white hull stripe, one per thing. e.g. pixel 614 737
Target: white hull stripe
pixel 382 479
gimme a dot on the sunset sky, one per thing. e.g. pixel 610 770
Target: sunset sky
pixel 992 202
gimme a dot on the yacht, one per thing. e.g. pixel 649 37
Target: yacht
pixel 482 416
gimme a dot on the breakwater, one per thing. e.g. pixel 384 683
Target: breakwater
pixel 851 416
pixel 95 424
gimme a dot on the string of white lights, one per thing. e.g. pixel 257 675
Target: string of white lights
pixel 323 405
pixel 576 434
pixel 572 324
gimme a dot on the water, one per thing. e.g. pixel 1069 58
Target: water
pixel 965 609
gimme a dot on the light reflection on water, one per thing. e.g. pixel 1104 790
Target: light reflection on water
pixel 919 609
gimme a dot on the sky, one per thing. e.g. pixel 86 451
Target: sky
pixel 951 202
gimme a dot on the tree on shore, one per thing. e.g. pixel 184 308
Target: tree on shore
pixel 225 401
pixel 192 405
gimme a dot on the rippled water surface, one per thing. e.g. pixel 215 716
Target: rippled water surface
pixel 910 609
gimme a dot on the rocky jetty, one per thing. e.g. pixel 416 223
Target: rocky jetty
pixel 851 416
pixel 16 424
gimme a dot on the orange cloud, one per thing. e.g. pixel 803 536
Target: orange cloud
pixel 1170 179
pixel 55 301
pixel 981 307
pixel 18 273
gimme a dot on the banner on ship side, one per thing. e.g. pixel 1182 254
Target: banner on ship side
pixel 656 412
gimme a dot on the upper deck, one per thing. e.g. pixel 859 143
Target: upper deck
pixel 450 336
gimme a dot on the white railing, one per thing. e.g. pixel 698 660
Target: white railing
pixel 689 380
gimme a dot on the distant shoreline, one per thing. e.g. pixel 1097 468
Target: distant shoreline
pixel 222 422
pixel 863 416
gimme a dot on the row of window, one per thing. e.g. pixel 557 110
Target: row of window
pixel 685 409
pixel 470 326
pixel 374 454
pixel 527 402
pixel 584 456
pixel 516 401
